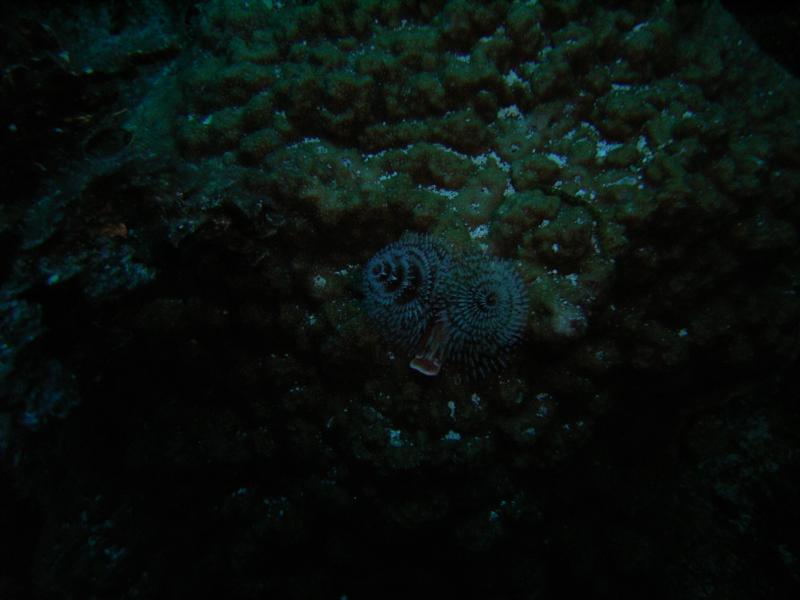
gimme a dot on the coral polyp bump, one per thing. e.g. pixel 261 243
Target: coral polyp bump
pixel 468 311
pixel 400 287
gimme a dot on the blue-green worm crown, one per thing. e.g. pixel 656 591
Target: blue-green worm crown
pixel 466 310
pixel 484 313
pixel 400 287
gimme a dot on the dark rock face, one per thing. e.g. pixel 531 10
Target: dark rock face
pixel 775 27
pixel 195 398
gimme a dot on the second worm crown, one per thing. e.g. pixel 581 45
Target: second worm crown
pixel 467 310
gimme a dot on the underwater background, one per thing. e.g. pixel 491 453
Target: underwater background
pixel 570 368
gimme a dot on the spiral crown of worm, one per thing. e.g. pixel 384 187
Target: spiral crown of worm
pixel 400 286
pixel 466 310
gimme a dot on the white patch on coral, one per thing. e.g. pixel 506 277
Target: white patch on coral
pixel 511 78
pixel 604 147
pixel 568 320
pixel 346 270
pixel 396 438
pixel 449 194
pixel 481 231
pixel 641 145
pixel 509 112
pixel 481 159
pixel 627 180
pixel 450 150
pixel 559 159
